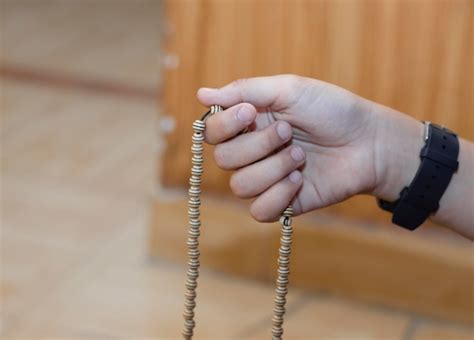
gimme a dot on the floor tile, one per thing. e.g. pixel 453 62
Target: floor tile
pixel 433 331
pixel 333 318
pixel 123 294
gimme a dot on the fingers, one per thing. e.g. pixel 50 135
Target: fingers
pixel 256 178
pixel 250 147
pixel 228 123
pixel 269 206
pixel 260 91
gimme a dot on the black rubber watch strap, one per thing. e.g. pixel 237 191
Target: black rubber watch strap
pixel 438 164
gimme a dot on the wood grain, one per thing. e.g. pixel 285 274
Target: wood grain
pixel 415 56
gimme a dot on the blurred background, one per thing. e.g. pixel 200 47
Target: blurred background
pixel 97 101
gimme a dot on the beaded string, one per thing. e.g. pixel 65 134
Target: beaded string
pixel 283 273
pixel 194 204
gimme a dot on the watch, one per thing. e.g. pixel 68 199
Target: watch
pixel 439 161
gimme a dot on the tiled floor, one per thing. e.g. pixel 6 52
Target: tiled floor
pixel 78 174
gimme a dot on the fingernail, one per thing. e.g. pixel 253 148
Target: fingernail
pixel 284 130
pixel 297 153
pixel 295 177
pixel 244 114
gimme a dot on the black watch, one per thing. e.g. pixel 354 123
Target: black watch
pixel 439 161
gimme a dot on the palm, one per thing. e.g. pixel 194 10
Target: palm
pixel 337 167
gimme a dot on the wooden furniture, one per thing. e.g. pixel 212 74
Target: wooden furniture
pixel 415 56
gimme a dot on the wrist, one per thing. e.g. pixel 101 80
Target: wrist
pixel 397 145
pixel 454 209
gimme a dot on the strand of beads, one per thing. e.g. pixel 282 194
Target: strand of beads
pixel 283 272
pixel 194 204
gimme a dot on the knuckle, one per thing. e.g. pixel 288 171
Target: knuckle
pixel 294 81
pixel 285 162
pixel 279 164
pixel 291 79
pixel 240 84
pixel 270 139
pixel 292 86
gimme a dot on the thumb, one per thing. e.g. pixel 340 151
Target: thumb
pixel 260 92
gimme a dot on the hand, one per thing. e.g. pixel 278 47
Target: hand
pixel 314 144
pixel 311 143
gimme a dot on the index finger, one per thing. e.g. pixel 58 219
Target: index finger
pixel 228 123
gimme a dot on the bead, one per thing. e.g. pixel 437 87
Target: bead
pixel 194 205
pixel 283 272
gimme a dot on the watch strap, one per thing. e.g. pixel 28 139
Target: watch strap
pixel 438 164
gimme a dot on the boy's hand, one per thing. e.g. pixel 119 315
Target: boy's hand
pixel 310 143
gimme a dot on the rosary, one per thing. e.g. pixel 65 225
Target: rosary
pixel 192 243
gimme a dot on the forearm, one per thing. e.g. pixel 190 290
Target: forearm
pixel 398 142
pixel 456 208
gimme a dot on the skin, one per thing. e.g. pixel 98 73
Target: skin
pixel 314 144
